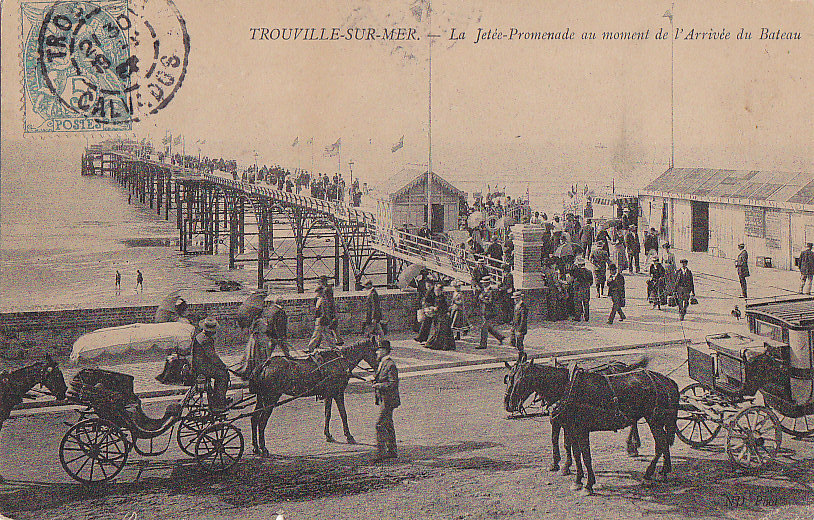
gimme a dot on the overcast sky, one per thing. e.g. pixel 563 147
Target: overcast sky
pixel 586 110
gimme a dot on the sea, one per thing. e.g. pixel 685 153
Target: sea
pixel 64 235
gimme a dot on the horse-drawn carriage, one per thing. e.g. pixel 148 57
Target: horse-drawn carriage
pixel 775 360
pixel 113 423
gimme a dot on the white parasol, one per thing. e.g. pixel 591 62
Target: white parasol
pixel 475 219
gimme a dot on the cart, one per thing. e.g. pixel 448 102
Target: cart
pixel 96 448
pixel 773 360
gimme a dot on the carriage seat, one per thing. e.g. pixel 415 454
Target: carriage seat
pixel 154 424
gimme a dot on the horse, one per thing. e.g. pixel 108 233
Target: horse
pixel 589 401
pixel 613 367
pixel 14 386
pixel 326 379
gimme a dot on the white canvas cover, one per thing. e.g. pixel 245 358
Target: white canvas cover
pixel 802 390
pixel 136 338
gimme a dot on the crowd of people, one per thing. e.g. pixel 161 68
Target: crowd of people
pixel 321 186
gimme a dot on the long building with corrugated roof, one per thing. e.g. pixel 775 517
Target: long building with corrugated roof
pixel 714 210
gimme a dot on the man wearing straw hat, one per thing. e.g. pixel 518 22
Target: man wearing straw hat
pixel 519 321
pixel 278 326
pixel 207 363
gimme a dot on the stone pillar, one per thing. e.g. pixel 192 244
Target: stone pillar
pixel 528 244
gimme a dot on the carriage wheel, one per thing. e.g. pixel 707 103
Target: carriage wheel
pixel 754 437
pixel 189 428
pixel 94 450
pixel 798 427
pixel 219 447
pixel 694 426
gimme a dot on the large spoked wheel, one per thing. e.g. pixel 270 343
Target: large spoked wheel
pixel 799 427
pixel 93 451
pixel 694 426
pixel 754 437
pixel 189 428
pixel 219 447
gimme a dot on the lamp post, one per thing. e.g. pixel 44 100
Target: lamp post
pixel 350 183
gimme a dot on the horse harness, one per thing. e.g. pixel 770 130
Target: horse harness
pixel 618 411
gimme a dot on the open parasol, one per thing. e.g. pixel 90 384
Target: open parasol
pixel 506 221
pixel 475 219
pixel 408 274
pixel 251 309
pixel 173 305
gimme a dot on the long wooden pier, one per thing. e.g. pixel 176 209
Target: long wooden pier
pixel 280 232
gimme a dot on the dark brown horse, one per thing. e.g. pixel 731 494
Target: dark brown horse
pixel 15 385
pixel 589 401
pixel 326 379
pixel 613 367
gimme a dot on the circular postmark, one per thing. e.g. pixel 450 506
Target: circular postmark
pixel 113 62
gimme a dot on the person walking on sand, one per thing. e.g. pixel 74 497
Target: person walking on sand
pixel 742 265
pixel 118 282
pixel 139 280
pixel 806 268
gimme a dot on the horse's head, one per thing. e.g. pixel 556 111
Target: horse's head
pixel 518 387
pixel 52 378
pixel 525 378
pixel 364 350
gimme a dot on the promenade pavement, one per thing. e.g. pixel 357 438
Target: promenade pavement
pixel 717 289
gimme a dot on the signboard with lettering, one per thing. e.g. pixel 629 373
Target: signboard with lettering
pixel 755 222
pixel 773 228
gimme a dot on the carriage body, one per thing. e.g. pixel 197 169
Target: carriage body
pixel 775 360
pixel 97 447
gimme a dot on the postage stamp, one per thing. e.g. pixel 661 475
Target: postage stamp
pixel 100 65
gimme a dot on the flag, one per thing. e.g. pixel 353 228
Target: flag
pixel 333 150
pixel 310 141
pixel 200 141
pixel 167 139
pixel 177 140
pixel 397 145
pixel 296 141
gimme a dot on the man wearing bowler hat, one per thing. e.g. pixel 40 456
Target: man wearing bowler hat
pixel 207 363
pixel 386 385
pixel 742 265
pixel 684 288
pixel 373 313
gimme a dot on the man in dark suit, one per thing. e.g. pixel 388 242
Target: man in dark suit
pixel 488 315
pixel 520 321
pixel 333 326
pixel 278 326
pixel 386 385
pixel 616 291
pixel 684 288
pixel 806 268
pixel 207 363
pixel 373 313
pixel 742 265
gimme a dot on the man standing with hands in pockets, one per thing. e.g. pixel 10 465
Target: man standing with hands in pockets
pixel 386 385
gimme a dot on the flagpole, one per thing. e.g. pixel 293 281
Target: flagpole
pixel 312 157
pixel 672 91
pixel 338 167
pixel 429 117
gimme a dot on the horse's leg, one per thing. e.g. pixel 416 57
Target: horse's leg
pixel 659 439
pixel 555 445
pixel 268 406
pixel 568 443
pixel 258 405
pixel 585 449
pixel 633 440
pixel 328 405
pixel 343 413
pixel 575 445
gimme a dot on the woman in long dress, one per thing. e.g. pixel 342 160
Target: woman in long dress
pixel 620 252
pixel 668 260
pixel 460 323
pixel 258 349
pixel 441 337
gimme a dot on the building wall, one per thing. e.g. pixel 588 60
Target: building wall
pixel 784 233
